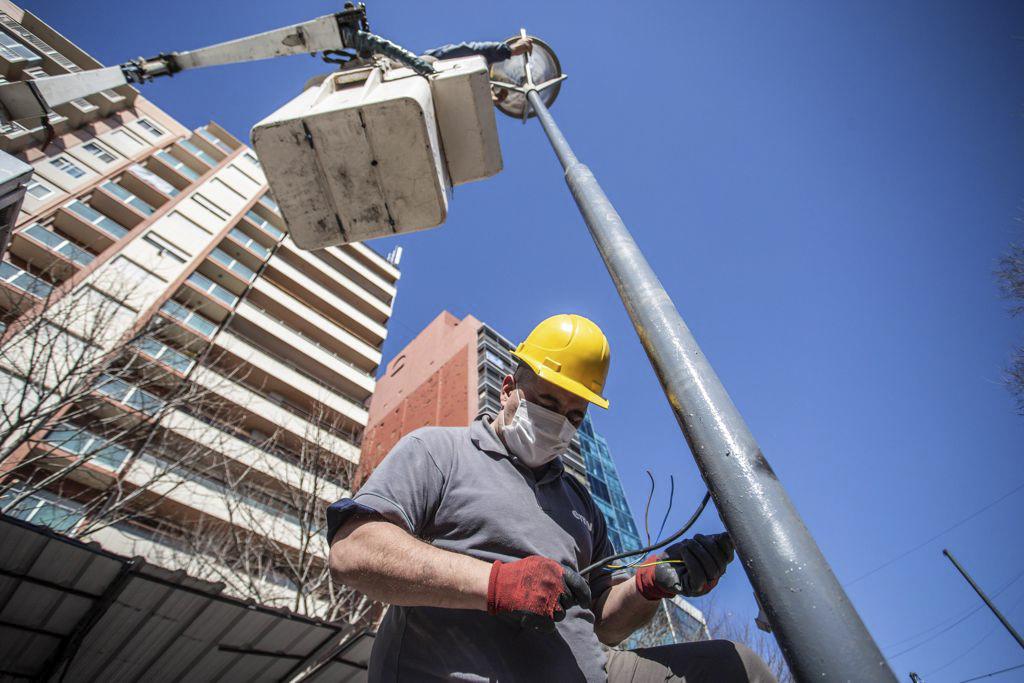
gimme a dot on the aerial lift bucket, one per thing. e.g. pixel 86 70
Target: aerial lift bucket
pixel 374 151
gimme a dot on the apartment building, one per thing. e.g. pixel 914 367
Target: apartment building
pixel 445 377
pixel 243 349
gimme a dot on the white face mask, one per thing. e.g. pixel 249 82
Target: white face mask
pixel 537 435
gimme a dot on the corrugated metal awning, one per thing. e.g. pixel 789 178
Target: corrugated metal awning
pixel 74 612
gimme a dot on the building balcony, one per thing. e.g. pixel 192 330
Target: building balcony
pixel 285 342
pixel 195 157
pixel 265 224
pixel 109 101
pixel 87 226
pixel 280 375
pixel 190 320
pixel 268 412
pixel 15 57
pixel 246 248
pixel 374 261
pixel 83 443
pixel 268 468
pixel 209 141
pixel 155 350
pixel 148 186
pixel 205 297
pixel 327 302
pixel 318 270
pixel 16 283
pixel 131 540
pixel 342 260
pixel 120 204
pixel 210 498
pixel 14 137
pixel 310 324
pixel 49 251
pixel 228 270
pixel 172 169
pixel 129 395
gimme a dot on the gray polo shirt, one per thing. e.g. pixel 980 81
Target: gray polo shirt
pixel 460 490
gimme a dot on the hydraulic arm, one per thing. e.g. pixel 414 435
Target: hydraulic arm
pixel 338 37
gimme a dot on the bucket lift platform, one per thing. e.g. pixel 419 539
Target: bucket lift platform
pixel 375 151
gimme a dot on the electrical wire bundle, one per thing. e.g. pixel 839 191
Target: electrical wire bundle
pixel 658 543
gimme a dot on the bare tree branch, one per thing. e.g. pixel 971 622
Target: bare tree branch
pixel 1010 276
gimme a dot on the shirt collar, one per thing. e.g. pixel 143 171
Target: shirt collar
pixel 484 438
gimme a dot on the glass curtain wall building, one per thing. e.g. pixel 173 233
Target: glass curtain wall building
pixel 607 488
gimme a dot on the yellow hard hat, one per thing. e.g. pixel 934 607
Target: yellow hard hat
pixel 571 352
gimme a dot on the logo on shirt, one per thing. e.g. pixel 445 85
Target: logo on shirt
pixel 586 522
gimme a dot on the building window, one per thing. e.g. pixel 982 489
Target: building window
pixel 252 157
pixel 98 152
pixel 148 126
pixel 38 190
pixel 62 163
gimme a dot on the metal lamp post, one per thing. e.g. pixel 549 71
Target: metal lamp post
pixel 818 630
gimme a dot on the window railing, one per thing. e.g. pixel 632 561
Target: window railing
pixel 207 285
pixel 177 164
pixel 262 223
pixel 58 244
pixel 129 394
pixel 213 139
pixel 233 264
pixel 91 215
pixel 195 151
pixel 190 318
pixel 127 197
pixel 162 353
pixel 81 442
pixel 249 242
pixel 26 282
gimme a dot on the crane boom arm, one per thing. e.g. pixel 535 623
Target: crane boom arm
pixel 36 98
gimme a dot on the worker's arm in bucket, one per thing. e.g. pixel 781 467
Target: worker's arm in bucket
pixel 490 51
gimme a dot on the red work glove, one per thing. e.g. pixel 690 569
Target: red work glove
pixel 699 563
pixel 535 589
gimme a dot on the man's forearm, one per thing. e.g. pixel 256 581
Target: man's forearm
pixel 622 611
pixel 387 564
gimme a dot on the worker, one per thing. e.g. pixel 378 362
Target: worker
pixel 475 536
pixel 492 51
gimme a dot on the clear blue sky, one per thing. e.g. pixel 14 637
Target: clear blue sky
pixel 824 189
